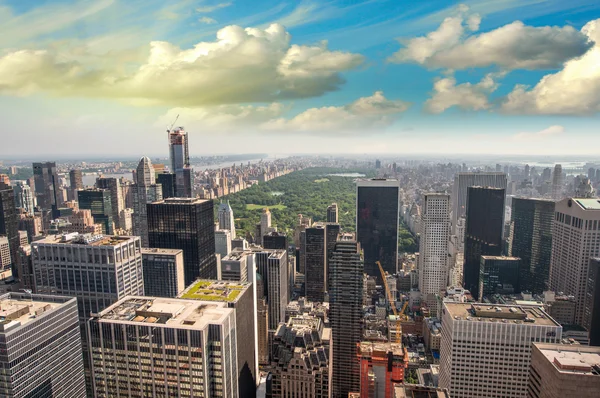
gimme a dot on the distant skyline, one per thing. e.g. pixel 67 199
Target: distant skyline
pixel 105 78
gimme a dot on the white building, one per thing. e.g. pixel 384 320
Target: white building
pixel 433 246
pixel 226 220
pixel 222 242
pixel 486 350
pixel 575 238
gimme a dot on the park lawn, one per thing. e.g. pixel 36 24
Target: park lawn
pixel 252 206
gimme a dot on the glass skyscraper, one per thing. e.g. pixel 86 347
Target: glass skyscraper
pixel 99 202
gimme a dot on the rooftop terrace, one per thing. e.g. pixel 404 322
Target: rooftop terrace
pixel 211 290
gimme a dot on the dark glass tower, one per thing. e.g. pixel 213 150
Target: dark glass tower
pixel 275 240
pixel 377 223
pixel 168 183
pixel 591 313
pixel 483 231
pixel 496 273
pixel 332 231
pixel 46 181
pixel 186 224
pixel 315 284
pixel 345 316
pixel 531 237
pixel 9 219
pixel 99 202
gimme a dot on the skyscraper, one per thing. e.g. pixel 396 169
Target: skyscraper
pixel 591 313
pixel 46 184
pixel 315 275
pixel 226 220
pixel 113 186
pixel 345 315
pixel 9 220
pixel 144 191
pixel 41 347
pixel 531 241
pixel 76 179
pixel 168 182
pixel 377 212
pixel 180 162
pixel 332 232
pixel 433 246
pixel 222 242
pixel 575 233
pixel 175 348
pixel 483 232
pixel 264 227
pixel 23 197
pixel 98 201
pixel 332 213
pixel 462 181
pixel 273 268
pixel 498 274
pixel 557 182
pixel 186 224
pixel 163 272
pixel 275 240
pixel 486 350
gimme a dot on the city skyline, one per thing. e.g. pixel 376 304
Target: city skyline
pixel 330 77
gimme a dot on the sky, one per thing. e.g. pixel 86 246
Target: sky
pixel 108 77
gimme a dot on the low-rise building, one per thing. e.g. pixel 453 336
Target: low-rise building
pixel 432 333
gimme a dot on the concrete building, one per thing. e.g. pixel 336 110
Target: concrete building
pixel 557 183
pixel 332 213
pixel 575 239
pixel 272 266
pixel 433 246
pixel 24 197
pixel 559 370
pixel 560 307
pixel 226 219
pixel 170 347
pixel 5 258
pixel 381 366
pixel 262 322
pixel 222 242
pixel 9 220
pixel 41 347
pixel 591 313
pixel 75 180
pixel 462 182
pixel 432 333
pixel 345 315
pixel 234 266
pixel 301 361
pixel 241 297
pixel 377 218
pixel 419 391
pixel 82 222
pixel 144 191
pixel 163 272
pixel 486 349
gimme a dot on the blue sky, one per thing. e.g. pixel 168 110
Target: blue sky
pixel 105 77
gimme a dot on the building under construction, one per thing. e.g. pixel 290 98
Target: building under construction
pixel 381 366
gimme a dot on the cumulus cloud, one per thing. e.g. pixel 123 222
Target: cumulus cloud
pixel 574 90
pixel 468 96
pixel 241 65
pixel 454 45
pixel 540 135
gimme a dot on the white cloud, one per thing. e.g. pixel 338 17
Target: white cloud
pixel 512 46
pixel 215 7
pixel 241 65
pixel 207 20
pixel 544 134
pixel 466 96
pixel 574 90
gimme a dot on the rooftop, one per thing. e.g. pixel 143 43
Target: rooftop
pixel 572 358
pixel 417 391
pixel 211 290
pixel 146 250
pixel 166 312
pixel 380 349
pixel 18 309
pixel 589 204
pixel 478 312
pixel 181 201
pixel 501 258
pixel 75 238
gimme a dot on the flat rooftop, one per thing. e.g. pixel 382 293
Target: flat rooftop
pixel 572 359
pixel 478 312
pixel 84 239
pixel 501 258
pixel 20 308
pixel 417 391
pixel 181 201
pixel 173 252
pixel 380 349
pixel 377 182
pixel 165 312
pixel 589 204
pixel 212 290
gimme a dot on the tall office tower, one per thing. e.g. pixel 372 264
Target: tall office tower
pixel 191 346
pixel 486 350
pixel 591 313
pixel 226 220
pixel 433 246
pixel 560 370
pixel 531 241
pixel 222 242
pixel 239 296
pixel 273 268
pixel 99 203
pixel 41 347
pixel 546 174
pixel 116 196
pixel 163 272
pixel 46 185
pixel 23 197
pixel 126 221
pixel 180 161
pixel 301 358
pixel 499 275
pixel 235 266
pixel 575 239
pixel 332 232
pixel 263 227
pixel 76 179
pixel 381 366
pixel 483 232
pixel 332 213
pixel 377 216
pixel 345 316
pixel 168 182
pixel 315 275
pixel 144 191
pixel 31 224
pixel 186 224
pixel 6 260
pixel 557 182
pixel 275 240
pixel 262 319
pixel 107 268
pixel 9 219
pixel 25 268
pixel 377 164
pixel 462 181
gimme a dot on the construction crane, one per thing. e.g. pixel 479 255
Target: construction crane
pixel 171 128
pixel 392 304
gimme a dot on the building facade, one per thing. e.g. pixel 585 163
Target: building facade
pixel 113 186
pixel 314 262
pixel 226 219
pixel 144 191
pixel 499 275
pixel 46 184
pixel 163 272
pixel 382 365
pixel 24 197
pixel 332 213
pixel 98 201
pixel 180 162
pixel 591 312
pixel 222 242
pixel 9 220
